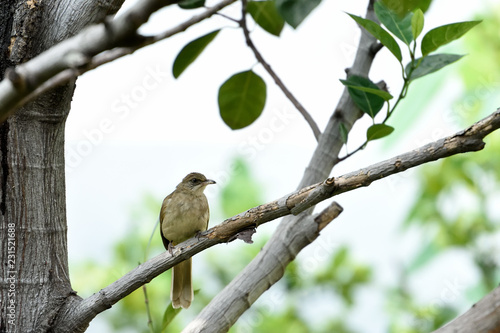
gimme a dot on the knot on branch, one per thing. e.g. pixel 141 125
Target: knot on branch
pixel 18 80
pixel 103 300
pixel 309 196
pixel 397 163
pixel 330 181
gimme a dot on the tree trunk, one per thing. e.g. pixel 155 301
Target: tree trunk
pixel 34 259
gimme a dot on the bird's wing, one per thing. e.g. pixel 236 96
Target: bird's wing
pixel 207 215
pixel 163 211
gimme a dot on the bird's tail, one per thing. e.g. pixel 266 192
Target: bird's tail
pixel 181 293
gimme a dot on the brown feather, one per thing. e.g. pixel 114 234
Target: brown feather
pixel 183 214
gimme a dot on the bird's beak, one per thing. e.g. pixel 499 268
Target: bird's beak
pixel 209 181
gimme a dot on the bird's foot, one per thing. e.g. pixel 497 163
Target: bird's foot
pixel 170 248
pixel 198 235
pixel 174 250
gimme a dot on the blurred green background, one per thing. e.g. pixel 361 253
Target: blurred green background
pixel 454 214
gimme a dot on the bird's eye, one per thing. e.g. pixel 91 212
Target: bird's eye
pixel 195 180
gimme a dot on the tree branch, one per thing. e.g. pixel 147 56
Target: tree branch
pixel 293 238
pixel 270 71
pixel 81 314
pixel 267 270
pixel 482 317
pixel 92 47
pixel 324 158
pixel 218 310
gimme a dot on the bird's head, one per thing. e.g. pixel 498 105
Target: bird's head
pixel 195 182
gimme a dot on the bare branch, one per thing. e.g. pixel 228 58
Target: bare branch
pixel 325 156
pixel 266 269
pixel 295 203
pixel 226 307
pixel 482 317
pixel 92 47
pixel 276 78
pixel 328 215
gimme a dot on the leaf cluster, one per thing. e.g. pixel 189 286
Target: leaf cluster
pixel 403 25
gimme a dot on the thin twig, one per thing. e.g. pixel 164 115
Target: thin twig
pixel 227 17
pixel 277 80
pixel 146 301
pixel 361 147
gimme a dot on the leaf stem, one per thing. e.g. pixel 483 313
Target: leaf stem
pixel 390 111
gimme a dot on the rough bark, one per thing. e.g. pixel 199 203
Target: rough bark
pixel 34 279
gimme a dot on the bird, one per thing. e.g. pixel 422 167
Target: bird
pixel 184 213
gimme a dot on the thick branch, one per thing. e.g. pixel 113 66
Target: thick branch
pixel 295 203
pixel 263 268
pixel 325 155
pixel 82 313
pixel 482 317
pixel 91 48
pixel 309 119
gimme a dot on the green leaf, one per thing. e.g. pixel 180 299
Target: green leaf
pixel 442 35
pixel 375 91
pixel 190 52
pixel 431 64
pixel 378 32
pixel 343 132
pixel 266 16
pixel 295 11
pixel 417 23
pixel 400 26
pixel 241 99
pixel 168 316
pixel 367 101
pixel 191 4
pixel 401 8
pixel 378 131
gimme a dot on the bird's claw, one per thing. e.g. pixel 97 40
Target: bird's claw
pixel 170 248
pixel 198 235
pixel 173 250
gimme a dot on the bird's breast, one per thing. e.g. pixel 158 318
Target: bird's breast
pixel 183 216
